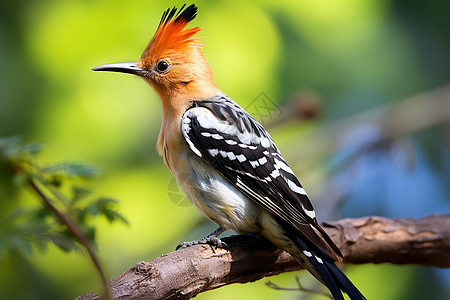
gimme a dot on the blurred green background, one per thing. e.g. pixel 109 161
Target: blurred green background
pixel 354 93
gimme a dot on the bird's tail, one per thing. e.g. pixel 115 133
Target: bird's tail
pixel 324 269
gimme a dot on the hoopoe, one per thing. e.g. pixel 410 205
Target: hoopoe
pixel 225 162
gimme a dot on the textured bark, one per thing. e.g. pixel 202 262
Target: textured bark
pixel 185 273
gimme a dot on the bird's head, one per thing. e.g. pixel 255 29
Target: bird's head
pixel 173 62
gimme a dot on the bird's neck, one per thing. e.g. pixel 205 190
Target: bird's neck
pixel 174 103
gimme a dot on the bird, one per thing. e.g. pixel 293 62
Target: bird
pixel 224 161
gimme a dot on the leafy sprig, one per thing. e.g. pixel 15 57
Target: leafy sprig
pixel 65 211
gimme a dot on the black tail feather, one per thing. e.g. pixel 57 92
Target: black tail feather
pixel 327 277
pixel 329 273
pixel 344 283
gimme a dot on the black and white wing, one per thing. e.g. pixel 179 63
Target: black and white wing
pixel 236 145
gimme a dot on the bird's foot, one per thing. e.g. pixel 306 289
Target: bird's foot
pixel 212 240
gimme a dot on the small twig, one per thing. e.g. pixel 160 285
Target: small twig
pixel 75 230
pixel 300 288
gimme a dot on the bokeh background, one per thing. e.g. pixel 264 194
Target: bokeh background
pixel 355 93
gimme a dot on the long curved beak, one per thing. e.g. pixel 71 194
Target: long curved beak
pixel 130 68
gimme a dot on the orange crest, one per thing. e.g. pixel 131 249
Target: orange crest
pixel 171 35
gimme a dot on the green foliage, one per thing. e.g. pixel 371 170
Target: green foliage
pixel 59 186
pixel 71 170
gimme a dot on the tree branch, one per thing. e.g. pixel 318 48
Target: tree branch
pixel 185 273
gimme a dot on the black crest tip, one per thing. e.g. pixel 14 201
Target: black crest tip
pixel 186 15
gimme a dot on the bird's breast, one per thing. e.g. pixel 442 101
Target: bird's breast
pixel 213 195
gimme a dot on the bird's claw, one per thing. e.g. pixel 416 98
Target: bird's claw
pixel 213 241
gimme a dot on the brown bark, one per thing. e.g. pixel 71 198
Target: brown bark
pixel 185 273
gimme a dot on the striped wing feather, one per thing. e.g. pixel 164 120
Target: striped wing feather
pixel 237 146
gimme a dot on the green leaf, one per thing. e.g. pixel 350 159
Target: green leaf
pixel 89 233
pixel 105 206
pixel 79 193
pixel 72 170
pixel 64 243
pixel 112 215
pixel 20 179
pixel 55 181
pixel 9 142
pixel 81 214
pixel 33 149
pixel 40 213
pixel 11 148
pixel 100 204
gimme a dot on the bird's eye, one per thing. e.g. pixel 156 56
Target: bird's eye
pixel 162 66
